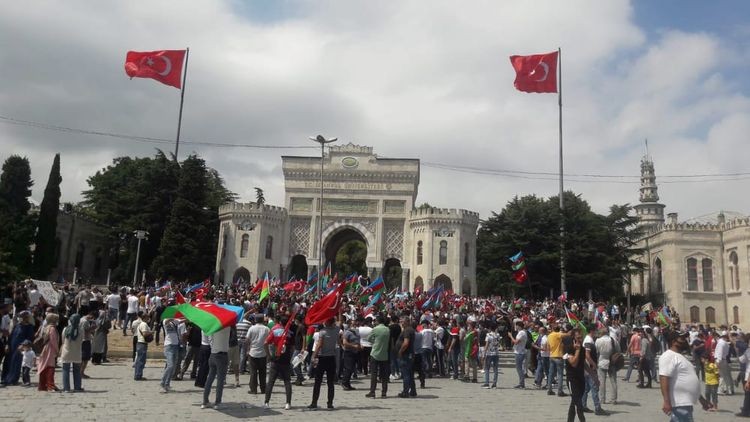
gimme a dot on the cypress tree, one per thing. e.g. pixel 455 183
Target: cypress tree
pixel 16 226
pixel 44 252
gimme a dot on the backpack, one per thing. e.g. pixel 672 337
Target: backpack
pixel 653 344
pixel 617 359
pixel 529 340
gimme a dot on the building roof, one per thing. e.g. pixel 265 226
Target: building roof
pixel 713 218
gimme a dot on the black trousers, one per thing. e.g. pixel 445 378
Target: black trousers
pixel 282 371
pixel 644 368
pixel 327 366
pixel 379 369
pixel 203 355
pixel 350 360
pixel 577 387
pixel 419 367
pixel 257 375
pixel 364 357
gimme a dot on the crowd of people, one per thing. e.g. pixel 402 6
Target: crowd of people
pixel 404 339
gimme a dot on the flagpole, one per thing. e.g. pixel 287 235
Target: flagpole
pixel 562 205
pixel 182 99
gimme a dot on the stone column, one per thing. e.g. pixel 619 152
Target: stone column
pixel 404 279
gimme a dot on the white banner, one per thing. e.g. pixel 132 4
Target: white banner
pixel 49 293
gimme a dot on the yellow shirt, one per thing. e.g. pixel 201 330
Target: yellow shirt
pixel 554 340
pixel 712 374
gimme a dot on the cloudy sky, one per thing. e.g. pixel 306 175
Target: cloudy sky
pixel 416 79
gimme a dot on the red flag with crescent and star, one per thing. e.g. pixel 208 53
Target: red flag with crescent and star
pixel 326 307
pixel 165 66
pixel 535 73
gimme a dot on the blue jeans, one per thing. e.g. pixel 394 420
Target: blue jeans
pixel 455 353
pixel 407 373
pixel 682 414
pixel 520 358
pixel 490 361
pixel 140 359
pixel 170 353
pixel 556 366
pixel 66 367
pixel 542 367
pixel 591 386
pixel 633 361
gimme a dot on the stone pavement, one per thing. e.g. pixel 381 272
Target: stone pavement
pixel 112 395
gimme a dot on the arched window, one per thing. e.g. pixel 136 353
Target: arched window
pixel 244 245
pixel 736 314
pixel 419 253
pixel 269 247
pixel 708 275
pixel 710 315
pixel 657 275
pixel 692 274
pixel 466 254
pixel 443 252
pixel 734 271
pixel 224 246
pixel 695 314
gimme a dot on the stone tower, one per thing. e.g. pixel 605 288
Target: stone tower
pixel 650 212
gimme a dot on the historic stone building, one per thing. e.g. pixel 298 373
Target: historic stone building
pixel 367 198
pixel 701 266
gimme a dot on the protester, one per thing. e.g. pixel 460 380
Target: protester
pixel 379 359
pixel 680 387
pixel 217 367
pixel 278 347
pixel 144 336
pixel 45 362
pixel 324 361
pixel 255 345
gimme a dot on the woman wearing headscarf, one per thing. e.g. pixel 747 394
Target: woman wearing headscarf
pixel 99 344
pixel 45 363
pixel 71 352
pixel 21 332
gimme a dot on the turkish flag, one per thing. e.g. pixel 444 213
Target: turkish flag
pixel 535 73
pixel 326 307
pixel 165 66
pixel 521 276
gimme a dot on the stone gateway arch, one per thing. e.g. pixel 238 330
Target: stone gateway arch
pixel 366 198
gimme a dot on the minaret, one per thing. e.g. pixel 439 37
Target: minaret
pixel 649 210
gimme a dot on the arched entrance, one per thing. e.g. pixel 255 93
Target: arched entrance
pixel 240 273
pixel 346 250
pixel 298 267
pixel 392 273
pixel 443 280
pixel 418 284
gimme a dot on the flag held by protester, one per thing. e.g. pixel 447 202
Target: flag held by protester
pixel 208 316
pixel 327 307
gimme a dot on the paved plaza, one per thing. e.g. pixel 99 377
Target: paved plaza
pixel 112 395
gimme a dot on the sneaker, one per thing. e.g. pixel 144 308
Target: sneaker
pixel 205 406
pixel 287 406
pixel 494 386
pixel 266 406
pixel 218 406
pixel 550 393
pixel 312 406
pixel 561 394
pixel 587 410
pixel 601 412
pixel 403 395
pixel 486 386
pixel 330 406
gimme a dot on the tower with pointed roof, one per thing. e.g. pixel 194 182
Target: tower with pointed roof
pixel 650 212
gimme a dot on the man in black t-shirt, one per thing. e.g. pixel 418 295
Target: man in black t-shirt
pixel 405 350
pixel 575 365
pixel 395 329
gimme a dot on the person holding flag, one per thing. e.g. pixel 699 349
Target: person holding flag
pixel 279 345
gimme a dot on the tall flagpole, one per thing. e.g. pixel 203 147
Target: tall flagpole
pixel 562 205
pixel 182 99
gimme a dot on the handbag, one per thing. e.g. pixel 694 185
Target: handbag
pixel 40 340
pixel 616 359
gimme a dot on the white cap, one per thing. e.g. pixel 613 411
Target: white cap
pixel 723 334
pixel 646 326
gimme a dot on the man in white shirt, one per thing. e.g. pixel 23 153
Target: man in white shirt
pixel 721 354
pixel 605 347
pixel 680 387
pixel 173 331
pixel 113 306
pixel 364 340
pixel 519 350
pixel 141 348
pixel 440 336
pixel 132 310
pixel 217 367
pixel 425 349
pixel 255 339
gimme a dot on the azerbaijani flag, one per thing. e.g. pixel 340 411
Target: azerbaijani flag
pixel 264 289
pixel 575 322
pixel 313 278
pixel 470 344
pixel 373 302
pixel 208 316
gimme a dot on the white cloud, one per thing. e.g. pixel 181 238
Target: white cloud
pixel 412 79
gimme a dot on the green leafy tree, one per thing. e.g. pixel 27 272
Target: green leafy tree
pixel 16 225
pixel 260 199
pixel 350 258
pixel 188 248
pixel 44 245
pixel 532 225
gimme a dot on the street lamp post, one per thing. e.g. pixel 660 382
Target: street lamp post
pixel 140 235
pixel 322 141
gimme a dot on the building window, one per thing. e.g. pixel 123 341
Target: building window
pixel 466 254
pixel 736 314
pixel 708 277
pixel 695 314
pixel 224 246
pixel 269 247
pixel 419 253
pixel 244 245
pixel 443 252
pixel 692 274
pixel 710 315
pixel 657 275
pixel 734 271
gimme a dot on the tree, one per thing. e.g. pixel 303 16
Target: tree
pixel 44 245
pixel 16 225
pixel 532 225
pixel 350 258
pixel 259 198
pixel 188 248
